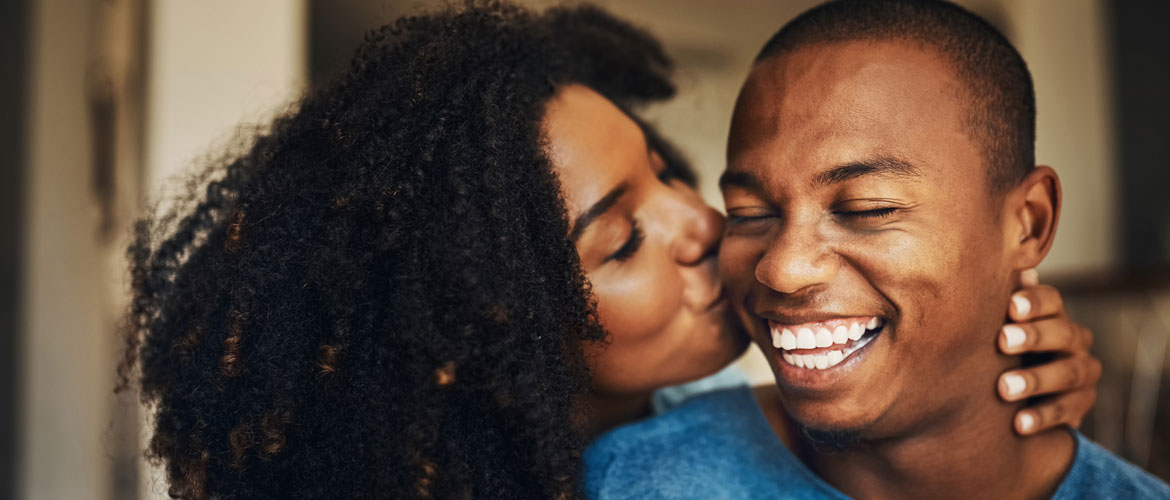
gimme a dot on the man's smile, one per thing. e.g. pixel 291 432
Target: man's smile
pixel 818 350
pixel 822 345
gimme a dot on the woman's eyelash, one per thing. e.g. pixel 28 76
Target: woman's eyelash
pixel 666 176
pixel 631 246
pixel 740 219
pixel 872 214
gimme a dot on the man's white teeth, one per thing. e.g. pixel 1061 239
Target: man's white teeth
pixel 856 331
pixel 824 338
pixel 783 339
pixel 805 339
pixel 815 361
pixel 822 361
pixel 841 334
pixel 787 340
pixel 814 336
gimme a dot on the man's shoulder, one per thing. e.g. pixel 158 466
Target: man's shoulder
pixel 716 445
pixel 1098 473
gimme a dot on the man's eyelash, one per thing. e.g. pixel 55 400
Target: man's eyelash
pixel 876 213
pixel 631 246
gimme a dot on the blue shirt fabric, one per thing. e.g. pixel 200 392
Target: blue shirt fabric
pixel 671 397
pixel 719 445
pixel 1097 473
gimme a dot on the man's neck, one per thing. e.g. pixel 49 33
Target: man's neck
pixel 969 453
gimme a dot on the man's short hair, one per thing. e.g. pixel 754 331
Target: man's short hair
pixel 1002 104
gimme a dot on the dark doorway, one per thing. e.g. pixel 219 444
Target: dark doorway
pixel 13 63
pixel 1142 68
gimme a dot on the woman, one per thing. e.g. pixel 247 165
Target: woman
pixel 400 290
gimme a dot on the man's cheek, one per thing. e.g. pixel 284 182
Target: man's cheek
pixel 737 263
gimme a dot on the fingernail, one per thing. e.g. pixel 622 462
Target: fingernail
pixel 1029 277
pixel 1013 336
pixel 1026 422
pixel 1015 384
pixel 1023 306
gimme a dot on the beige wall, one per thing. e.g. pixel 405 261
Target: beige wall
pixel 214 65
pixel 1065 43
pixel 67 344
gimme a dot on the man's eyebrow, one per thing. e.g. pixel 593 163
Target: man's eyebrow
pixel 604 204
pixel 882 165
pixel 732 178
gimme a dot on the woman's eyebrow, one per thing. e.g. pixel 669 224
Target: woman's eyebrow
pixel 604 204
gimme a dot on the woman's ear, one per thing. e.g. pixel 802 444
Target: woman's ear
pixel 1033 211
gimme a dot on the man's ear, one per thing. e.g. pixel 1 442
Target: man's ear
pixel 1033 211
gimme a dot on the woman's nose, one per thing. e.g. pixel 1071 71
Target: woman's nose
pixel 702 229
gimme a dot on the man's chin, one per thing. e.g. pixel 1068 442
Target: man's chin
pixel 827 441
pixel 831 420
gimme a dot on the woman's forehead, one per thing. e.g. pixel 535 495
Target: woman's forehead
pixel 593 145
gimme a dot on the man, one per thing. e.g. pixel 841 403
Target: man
pixel 882 199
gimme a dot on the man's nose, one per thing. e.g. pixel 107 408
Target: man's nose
pixel 796 259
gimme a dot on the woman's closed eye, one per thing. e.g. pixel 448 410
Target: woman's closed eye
pixel 630 247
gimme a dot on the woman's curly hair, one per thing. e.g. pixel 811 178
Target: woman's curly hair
pixel 376 297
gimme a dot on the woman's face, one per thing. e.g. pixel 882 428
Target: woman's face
pixel 648 245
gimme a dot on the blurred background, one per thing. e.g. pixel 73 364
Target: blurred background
pixel 103 101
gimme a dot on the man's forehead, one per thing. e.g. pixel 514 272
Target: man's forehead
pixel 834 104
pixel 842 81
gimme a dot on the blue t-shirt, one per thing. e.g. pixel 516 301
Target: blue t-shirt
pixel 671 397
pixel 719 446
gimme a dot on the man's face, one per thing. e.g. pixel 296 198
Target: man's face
pixel 856 197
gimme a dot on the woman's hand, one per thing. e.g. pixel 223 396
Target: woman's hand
pixel 1041 325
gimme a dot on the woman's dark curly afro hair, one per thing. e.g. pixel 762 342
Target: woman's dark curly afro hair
pixel 376 297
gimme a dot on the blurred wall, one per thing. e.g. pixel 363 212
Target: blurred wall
pixel 215 65
pixel 66 356
pixel 79 190
pixel 1066 44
